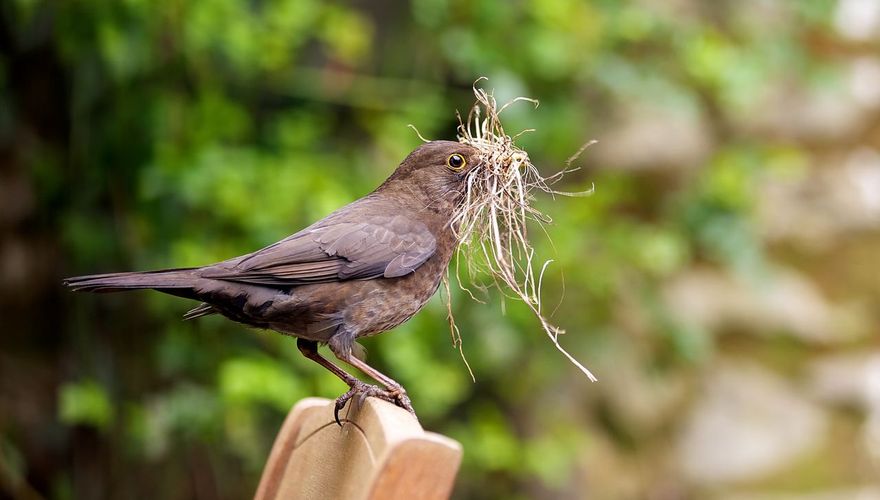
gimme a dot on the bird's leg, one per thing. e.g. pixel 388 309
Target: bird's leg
pixel 394 389
pixel 309 349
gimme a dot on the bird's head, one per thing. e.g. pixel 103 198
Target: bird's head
pixel 436 173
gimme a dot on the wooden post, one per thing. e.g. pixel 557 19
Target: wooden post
pixel 380 452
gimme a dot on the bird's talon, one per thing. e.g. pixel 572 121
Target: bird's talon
pixel 340 404
pixel 362 398
pixel 401 399
pixel 404 402
pixel 362 391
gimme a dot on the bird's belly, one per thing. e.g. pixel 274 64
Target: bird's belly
pixel 364 308
pixel 387 307
pixel 383 304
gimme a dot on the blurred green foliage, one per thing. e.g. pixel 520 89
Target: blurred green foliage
pixel 84 403
pixel 182 133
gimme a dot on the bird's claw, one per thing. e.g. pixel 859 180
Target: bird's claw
pixel 401 399
pixel 396 396
pixel 362 391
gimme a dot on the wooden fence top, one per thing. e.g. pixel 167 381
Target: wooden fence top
pixel 380 452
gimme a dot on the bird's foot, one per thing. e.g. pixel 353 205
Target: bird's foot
pixel 362 391
pixel 401 399
pixel 396 395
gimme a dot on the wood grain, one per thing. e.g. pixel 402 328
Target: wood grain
pixel 380 452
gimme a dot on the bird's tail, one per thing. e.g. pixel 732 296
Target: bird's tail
pixel 165 280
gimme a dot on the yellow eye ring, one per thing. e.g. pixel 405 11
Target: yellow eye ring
pixel 456 162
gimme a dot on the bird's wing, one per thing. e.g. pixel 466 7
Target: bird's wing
pixel 379 246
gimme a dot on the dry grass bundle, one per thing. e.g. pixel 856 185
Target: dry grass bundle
pixel 492 220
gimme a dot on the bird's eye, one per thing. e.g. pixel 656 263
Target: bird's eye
pixel 456 162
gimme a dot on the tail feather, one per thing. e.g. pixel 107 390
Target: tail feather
pixel 165 280
pixel 203 309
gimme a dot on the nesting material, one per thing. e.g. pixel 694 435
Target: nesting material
pixel 492 220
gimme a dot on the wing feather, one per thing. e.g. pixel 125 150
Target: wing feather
pixel 379 246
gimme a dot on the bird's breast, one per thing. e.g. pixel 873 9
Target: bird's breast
pixel 386 303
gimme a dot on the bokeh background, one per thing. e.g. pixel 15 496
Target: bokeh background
pixel 722 281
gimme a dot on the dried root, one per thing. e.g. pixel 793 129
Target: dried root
pixel 492 218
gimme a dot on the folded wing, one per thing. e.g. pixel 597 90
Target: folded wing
pixel 379 246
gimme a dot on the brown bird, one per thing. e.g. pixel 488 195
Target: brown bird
pixel 362 270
